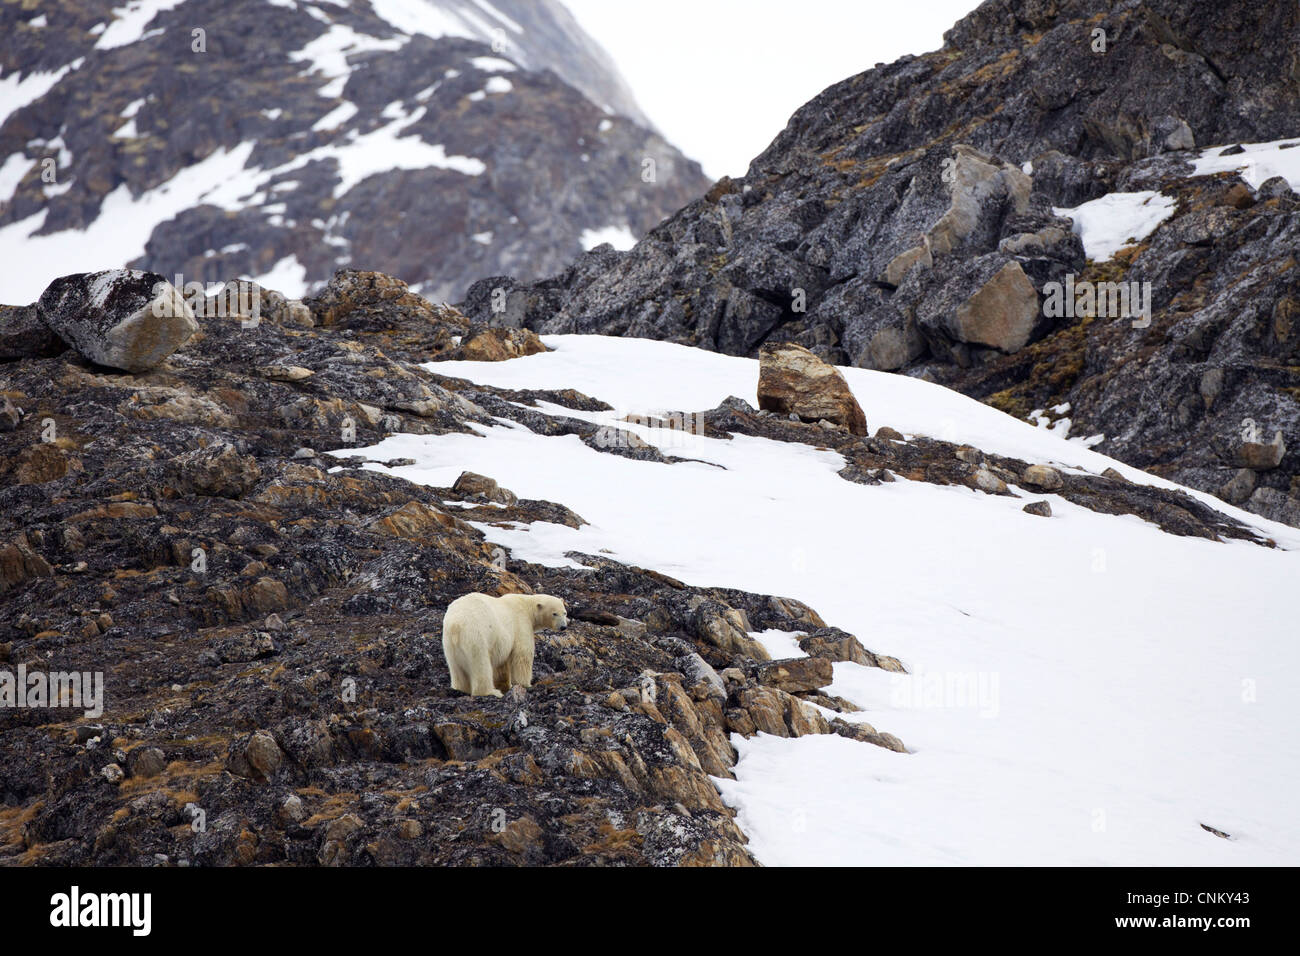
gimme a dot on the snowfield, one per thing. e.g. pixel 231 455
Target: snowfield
pixel 1083 690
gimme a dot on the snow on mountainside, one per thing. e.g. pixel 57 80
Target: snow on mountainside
pixel 1082 690
pixel 953 638
pixel 437 140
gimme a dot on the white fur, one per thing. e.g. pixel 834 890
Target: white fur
pixel 488 641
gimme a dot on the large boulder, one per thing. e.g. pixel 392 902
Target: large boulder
pixel 121 318
pixel 1001 315
pixel 796 675
pixel 792 380
pixel 471 484
pixel 982 189
pixel 1261 456
pixel 501 344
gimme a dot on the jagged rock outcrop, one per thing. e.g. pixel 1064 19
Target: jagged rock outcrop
pixel 919 218
pixel 439 141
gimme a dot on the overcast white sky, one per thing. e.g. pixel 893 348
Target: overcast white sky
pixel 721 77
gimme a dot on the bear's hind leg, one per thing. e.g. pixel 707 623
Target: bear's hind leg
pixel 520 666
pixel 459 679
pixel 481 673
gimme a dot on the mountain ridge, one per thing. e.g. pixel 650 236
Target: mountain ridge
pixel 903 213
pixel 283 141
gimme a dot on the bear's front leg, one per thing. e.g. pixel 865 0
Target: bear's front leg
pixel 483 689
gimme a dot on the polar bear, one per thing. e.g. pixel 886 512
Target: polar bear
pixel 488 641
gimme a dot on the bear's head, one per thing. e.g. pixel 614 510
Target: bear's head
pixel 549 613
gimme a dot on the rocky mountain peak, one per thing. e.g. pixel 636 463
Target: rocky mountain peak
pixel 438 140
pixel 926 217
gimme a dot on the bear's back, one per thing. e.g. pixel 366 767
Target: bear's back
pixel 473 609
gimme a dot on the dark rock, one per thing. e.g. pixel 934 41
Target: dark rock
pixel 24 335
pixel 217 470
pixel 145 762
pixel 1275 187
pixel 10 414
pixel 247 647
pixel 867 734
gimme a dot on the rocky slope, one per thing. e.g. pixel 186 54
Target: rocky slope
pixel 268 628
pixel 918 217
pixel 439 140
pixel 267 622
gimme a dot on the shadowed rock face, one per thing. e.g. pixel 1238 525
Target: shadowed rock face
pixel 890 224
pixel 316 137
pixel 24 335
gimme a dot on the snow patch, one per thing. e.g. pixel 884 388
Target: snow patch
pixel 288 276
pixel 492 11
pixel 492 64
pixel 780 645
pixel 418 16
pixel 1109 223
pixel 328 54
pixel 335 117
pixel 12 173
pixel 129 22
pixel 17 90
pixel 1259 163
